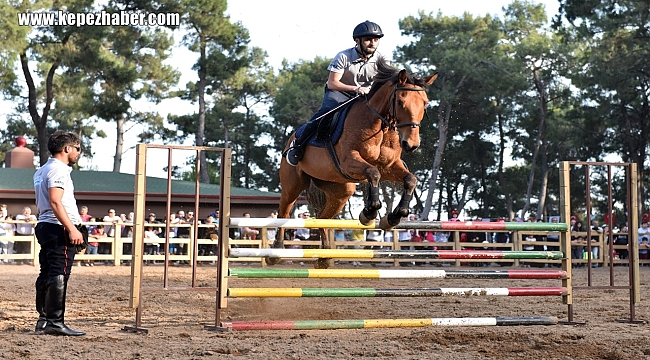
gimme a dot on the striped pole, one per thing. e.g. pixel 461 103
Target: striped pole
pixel 395 274
pixel 407 292
pixel 388 323
pixel 424 225
pixel 394 254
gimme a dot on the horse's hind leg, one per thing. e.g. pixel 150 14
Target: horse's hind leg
pixel 336 195
pixel 293 183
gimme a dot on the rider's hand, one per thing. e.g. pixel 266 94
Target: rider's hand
pixel 363 90
pixel 75 237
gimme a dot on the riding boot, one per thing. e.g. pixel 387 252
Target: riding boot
pixel 41 291
pixel 55 308
pixel 296 151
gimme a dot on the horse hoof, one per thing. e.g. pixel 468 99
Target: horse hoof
pixel 271 260
pixel 364 220
pixel 322 263
pixel 384 224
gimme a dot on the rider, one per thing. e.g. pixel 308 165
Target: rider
pixel 351 73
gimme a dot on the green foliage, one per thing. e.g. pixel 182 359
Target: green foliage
pixel 299 95
pixel 513 98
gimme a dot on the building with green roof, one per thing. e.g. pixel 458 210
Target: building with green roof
pixel 101 190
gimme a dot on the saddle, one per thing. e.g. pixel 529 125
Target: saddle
pixel 330 129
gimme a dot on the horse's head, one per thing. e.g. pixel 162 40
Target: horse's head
pixel 401 100
pixel 409 101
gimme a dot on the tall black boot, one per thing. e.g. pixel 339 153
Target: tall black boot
pixel 41 291
pixel 296 151
pixel 55 308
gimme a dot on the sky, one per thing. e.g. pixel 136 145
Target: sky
pixel 293 30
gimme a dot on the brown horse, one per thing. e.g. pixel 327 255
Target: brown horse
pixel 376 130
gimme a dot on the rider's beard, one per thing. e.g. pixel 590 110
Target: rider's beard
pixel 368 51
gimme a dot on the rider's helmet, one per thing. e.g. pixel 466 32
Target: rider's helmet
pixel 367 28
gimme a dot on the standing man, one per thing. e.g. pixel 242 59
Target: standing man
pixel 351 73
pixel 24 228
pixel 56 232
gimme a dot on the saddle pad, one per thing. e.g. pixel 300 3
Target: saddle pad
pixel 336 134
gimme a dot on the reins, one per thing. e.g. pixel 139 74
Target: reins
pixel 393 108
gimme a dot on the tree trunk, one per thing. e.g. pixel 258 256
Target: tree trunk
pixel 444 113
pixel 543 188
pixel 40 121
pixel 540 130
pixel 200 128
pixel 501 178
pixel 119 144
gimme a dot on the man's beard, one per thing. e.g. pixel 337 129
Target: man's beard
pixel 368 51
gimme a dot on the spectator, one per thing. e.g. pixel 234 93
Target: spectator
pixel 578 249
pixel 111 217
pixel 405 236
pixel 358 235
pixel 388 236
pixel 595 228
pixel 643 234
pixel 182 232
pixel 375 235
pixel 151 232
pixel 528 247
pixel 93 246
pixel 577 240
pixel 501 237
pixel 127 233
pixel 340 236
pixel 83 213
pixel 92 226
pixel 209 232
pixel 6 229
pixel 454 215
pixel 250 233
pixel 172 219
pixel 271 233
pixel 24 228
pixel 622 239
pixel 553 236
pixel 3 211
pixel 151 247
pixel 303 233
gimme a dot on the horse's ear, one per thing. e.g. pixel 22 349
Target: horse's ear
pixel 430 79
pixel 402 78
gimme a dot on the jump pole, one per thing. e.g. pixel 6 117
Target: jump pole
pixel 421 225
pixel 400 292
pixel 394 254
pixel 395 274
pixel 389 323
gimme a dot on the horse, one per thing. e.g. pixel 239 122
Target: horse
pixel 377 128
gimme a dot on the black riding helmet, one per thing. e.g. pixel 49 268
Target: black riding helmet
pixel 367 29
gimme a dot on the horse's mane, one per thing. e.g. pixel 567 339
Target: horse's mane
pixel 387 73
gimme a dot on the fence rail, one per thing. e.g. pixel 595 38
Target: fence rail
pixel 117 248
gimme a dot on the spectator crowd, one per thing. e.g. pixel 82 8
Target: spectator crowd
pixel 585 240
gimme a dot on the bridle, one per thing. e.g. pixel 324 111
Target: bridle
pixel 390 121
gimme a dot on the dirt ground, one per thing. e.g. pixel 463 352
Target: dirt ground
pixel 98 303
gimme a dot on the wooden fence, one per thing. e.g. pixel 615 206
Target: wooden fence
pixel 117 255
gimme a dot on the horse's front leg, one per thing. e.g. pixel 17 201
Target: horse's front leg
pixel 393 218
pixel 373 204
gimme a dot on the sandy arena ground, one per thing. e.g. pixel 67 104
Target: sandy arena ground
pixel 98 303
